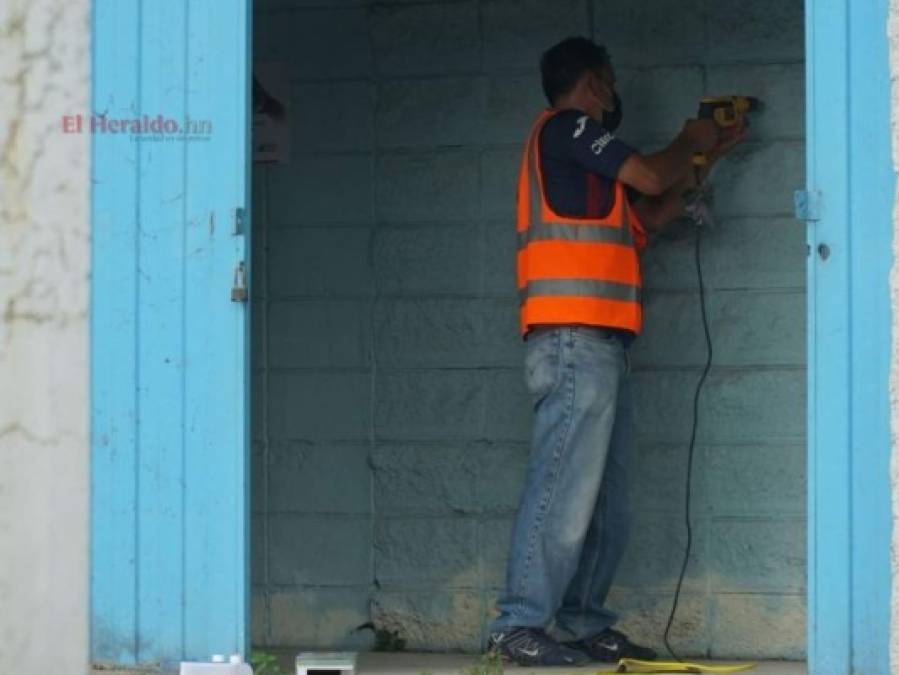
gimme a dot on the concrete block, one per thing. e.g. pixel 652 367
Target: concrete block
pixel 257 478
pixel 427 187
pixel 662 405
pixel 755 404
pixel 739 253
pixel 503 344
pixel 430 404
pixel 756 626
pixel 416 39
pixel 763 30
pixel 319 478
pixel 428 259
pixel 513 103
pixel 306 40
pixel 258 190
pixel 757 556
pixel 509 405
pixel 645 569
pixel 517 32
pixel 319 405
pixel 319 550
pixel 424 552
pixel 501 479
pixel 651 32
pixel 320 261
pixel 258 545
pixel 422 479
pixel 257 397
pixel 672 331
pixel 445 333
pixel 320 334
pixel 780 86
pixel 258 322
pixel 259 617
pixel 736 405
pixel 263 6
pixel 757 253
pixel 495 538
pixel 754 479
pixel 432 621
pixel 643 617
pixel 437 112
pixel 332 117
pixel 321 618
pixel 657 478
pixel 320 190
pixel 256 274
pixel 500 246
pixel 762 329
pixel 657 101
pixel 759 179
pixel 747 328
pixel 499 184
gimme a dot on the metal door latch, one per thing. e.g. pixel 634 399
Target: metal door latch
pixel 239 289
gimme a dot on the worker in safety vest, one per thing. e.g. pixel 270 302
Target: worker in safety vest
pixel 585 203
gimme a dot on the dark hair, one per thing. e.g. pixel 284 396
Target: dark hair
pixel 562 65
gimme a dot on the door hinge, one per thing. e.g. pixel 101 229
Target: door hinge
pixel 239 288
pixel 807 205
pixel 240 220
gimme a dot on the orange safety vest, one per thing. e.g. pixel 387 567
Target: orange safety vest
pixel 575 270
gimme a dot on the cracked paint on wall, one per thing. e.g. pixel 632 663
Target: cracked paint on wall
pixel 44 263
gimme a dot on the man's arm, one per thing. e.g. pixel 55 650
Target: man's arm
pixel 656 173
pixel 657 211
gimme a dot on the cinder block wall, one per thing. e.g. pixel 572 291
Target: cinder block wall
pixel 390 418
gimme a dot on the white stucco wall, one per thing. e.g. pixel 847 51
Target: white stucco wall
pixel 44 255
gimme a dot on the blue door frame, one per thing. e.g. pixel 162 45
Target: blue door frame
pixel 850 183
pixel 170 449
pixel 169 430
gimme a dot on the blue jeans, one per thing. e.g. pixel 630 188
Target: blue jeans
pixel 573 519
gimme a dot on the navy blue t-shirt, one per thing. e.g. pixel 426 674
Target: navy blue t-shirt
pixel 580 161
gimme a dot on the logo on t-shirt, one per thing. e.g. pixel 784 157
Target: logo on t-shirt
pixel 581 125
pixel 600 143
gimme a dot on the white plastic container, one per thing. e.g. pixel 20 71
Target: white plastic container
pixel 334 663
pixel 217 665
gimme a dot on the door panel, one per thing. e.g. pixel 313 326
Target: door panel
pixel 849 166
pixel 169 347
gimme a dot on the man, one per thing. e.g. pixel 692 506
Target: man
pixel 579 235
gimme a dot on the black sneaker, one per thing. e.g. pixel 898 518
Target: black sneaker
pixel 611 645
pixel 533 647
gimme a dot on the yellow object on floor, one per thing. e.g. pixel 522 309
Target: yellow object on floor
pixel 637 666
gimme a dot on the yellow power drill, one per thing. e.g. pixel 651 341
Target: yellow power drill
pixel 727 111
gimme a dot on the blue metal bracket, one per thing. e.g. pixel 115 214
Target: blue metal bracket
pixel 807 205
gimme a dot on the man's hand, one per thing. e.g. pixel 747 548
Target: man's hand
pixel 703 134
pixel 657 211
pixel 727 139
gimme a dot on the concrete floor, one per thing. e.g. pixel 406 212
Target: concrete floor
pixel 375 663
pixel 452 664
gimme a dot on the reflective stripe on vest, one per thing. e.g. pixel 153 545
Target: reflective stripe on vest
pixel 575 270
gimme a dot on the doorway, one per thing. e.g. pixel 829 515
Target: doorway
pixel 390 419
pixel 389 422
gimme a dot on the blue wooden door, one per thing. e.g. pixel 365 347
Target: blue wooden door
pixel 850 236
pixel 169 345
